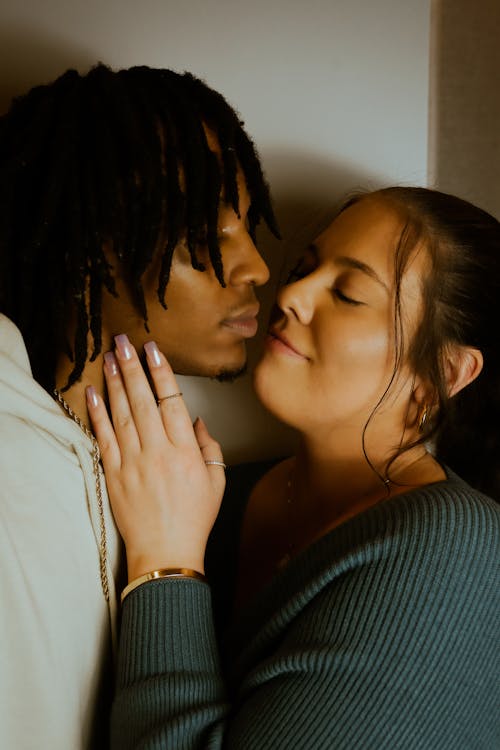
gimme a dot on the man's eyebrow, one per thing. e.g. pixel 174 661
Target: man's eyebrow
pixel 348 262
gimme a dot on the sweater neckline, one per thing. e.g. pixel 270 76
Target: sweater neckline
pixel 311 569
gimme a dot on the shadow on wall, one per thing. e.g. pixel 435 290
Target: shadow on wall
pixel 27 59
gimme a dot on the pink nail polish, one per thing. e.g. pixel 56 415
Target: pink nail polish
pixel 153 353
pixel 91 394
pixel 123 346
pixel 110 363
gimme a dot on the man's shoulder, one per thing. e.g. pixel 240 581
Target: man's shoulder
pixel 17 437
pixel 33 457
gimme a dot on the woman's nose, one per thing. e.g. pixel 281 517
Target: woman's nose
pixel 297 299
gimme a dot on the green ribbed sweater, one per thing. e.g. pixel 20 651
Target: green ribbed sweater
pixel 383 634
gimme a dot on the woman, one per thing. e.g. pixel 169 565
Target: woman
pixel 364 609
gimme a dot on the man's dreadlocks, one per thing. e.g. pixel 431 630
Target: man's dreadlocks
pixel 118 158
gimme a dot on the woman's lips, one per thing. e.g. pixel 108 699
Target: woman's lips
pixel 278 342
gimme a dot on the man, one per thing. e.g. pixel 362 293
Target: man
pixel 128 203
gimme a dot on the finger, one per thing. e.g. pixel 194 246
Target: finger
pixel 135 399
pixel 103 430
pixel 173 410
pixel 123 423
pixel 210 451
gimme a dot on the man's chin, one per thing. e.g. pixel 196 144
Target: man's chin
pixel 224 373
pixel 228 375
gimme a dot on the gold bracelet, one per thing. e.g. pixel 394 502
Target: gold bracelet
pixel 163 573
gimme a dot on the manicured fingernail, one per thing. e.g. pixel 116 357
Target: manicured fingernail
pixel 91 394
pixel 152 353
pixel 111 363
pixel 123 346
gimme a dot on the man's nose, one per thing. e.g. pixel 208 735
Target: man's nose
pixel 244 263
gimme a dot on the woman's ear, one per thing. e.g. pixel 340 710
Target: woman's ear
pixel 462 365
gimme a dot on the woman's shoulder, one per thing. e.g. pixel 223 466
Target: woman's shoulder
pixel 451 503
pixel 441 531
pixel 440 541
pixel 447 527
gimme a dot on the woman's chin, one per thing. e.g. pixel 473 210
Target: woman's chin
pixel 271 394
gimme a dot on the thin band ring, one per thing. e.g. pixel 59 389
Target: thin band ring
pixel 212 462
pixel 165 398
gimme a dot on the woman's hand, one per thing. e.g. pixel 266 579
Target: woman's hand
pixel 164 497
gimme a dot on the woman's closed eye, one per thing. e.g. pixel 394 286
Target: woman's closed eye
pixel 306 266
pixel 344 298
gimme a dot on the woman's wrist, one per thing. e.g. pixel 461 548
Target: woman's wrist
pixel 141 564
pixel 155 575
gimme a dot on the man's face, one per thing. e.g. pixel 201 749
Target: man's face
pixel 204 329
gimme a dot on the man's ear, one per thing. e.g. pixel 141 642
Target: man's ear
pixel 462 365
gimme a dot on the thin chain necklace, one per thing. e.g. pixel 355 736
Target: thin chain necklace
pixel 291 545
pixel 96 459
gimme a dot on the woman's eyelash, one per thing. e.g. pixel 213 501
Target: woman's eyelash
pixel 343 298
pixel 302 269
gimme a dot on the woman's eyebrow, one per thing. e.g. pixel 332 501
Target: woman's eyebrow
pixel 348 262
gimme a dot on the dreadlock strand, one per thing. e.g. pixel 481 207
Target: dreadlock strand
pixel 257 187
pixel 152 177
pixel 246 154
pixel 81 350
pixel 175 209
pixel 225 122
pixel 173 206
pixel 212 200
pixel 192 148
pixel 230 172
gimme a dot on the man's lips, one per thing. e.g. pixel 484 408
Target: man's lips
pixel 245 323
pixel 278 341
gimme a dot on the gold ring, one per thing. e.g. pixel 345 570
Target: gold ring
pixel 165 398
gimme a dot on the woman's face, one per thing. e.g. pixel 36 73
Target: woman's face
pixel 330 355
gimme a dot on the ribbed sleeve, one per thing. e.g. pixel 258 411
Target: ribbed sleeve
pixel 381 635
pixel 169 668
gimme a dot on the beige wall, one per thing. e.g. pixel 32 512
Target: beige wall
pixel 464 138
pixel 335 94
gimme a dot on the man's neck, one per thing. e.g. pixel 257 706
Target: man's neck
pixel 75 395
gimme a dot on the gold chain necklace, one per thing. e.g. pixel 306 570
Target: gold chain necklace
pixel 96 459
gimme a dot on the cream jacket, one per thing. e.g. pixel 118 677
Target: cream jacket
pixel 56 629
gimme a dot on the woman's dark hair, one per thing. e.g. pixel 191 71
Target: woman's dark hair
pixel 110 157
pixel 461 294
